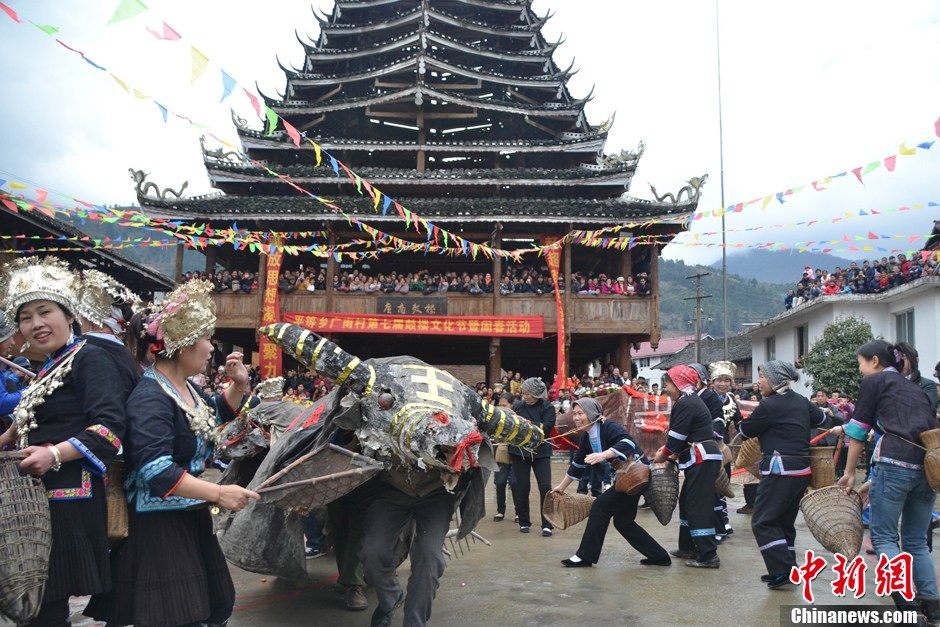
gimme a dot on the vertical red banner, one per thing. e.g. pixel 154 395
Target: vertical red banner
pixel 270 353
pixel 553 259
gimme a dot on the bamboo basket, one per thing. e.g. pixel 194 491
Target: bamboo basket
pixel 723 484
pixel 749 456
pixel 502 454
pixel 835 519
pixel 663 491
pixel 25 541
pixel 930 439
pixel 566 510
pixel 824 471
pixel 117 503
pixel 632 479
pixel 726 454
pixel 932 467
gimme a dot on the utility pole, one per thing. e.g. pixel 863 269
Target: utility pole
pixel 698 311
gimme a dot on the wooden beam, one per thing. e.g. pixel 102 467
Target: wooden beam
pixel 624 361
pixel 497 268
pixel 422 138
pixel 178 274
pixel 496 360
pixel 210 259
pixel 330 271
pixel 312 123
pixel 566 303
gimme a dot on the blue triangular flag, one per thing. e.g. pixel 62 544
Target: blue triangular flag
pixel 162 109
pixel 93 64
pixel 862 212
pixel 335 165
pixel 386 203
pixel 925 145
pixel 228 84
pixel 780 197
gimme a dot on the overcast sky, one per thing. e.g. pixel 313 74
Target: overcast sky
pixel 809 89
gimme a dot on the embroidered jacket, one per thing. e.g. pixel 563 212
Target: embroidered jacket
pixel 783 423
pixel 691 433
pixel 899 409
pixel 605 435
pixel 162 448
pixel 88 412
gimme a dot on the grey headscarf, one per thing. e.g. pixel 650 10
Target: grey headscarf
pixel 779 374
pixel 535 387
pixel 590 407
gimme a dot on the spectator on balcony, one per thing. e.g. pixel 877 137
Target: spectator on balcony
pixel 615 377
pixel 474 286
pixel 402 286
pixel 606 286
pixel 592 286
pixel 643 289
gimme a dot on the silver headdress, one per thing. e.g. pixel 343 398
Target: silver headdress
pixel 37 278
pixel 99 294
pixel 185 315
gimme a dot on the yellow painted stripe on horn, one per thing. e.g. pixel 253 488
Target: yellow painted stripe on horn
pixel 299 349
pixel 516 425
pixel 348 371
pixel 528 437
pixel 317 349
pixel 501 424
pixel 489 411
pixel 282 331
pixel 371 382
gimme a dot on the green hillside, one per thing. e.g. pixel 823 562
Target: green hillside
pixel 748 299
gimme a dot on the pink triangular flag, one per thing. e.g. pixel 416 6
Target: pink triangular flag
pixel 890 162
pixel 858 174
pixel 168 33
pixel 254 101
pixel 292 132
pixel 936 127
pixel 16 18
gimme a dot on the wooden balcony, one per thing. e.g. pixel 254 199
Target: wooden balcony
pixel 600 315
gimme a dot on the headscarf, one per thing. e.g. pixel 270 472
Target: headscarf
pixel 701 371
pixel 684 377
pixel 780 374
pixel 535 387
pixel 590 407
pixel 7 329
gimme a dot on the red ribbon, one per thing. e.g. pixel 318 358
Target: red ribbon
pixel 456 461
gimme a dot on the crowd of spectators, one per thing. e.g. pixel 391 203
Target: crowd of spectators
pixel 516 280
pixel 872 277
pixel 228 282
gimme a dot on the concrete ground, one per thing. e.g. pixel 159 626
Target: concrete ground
pixel 519 581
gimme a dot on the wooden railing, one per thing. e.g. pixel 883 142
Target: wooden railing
pixel 587 314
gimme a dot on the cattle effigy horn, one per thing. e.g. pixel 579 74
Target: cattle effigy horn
pixel 504 426
pixel 316 352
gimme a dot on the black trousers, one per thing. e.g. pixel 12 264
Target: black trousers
pixel 622 508
pixel 721 507
pixel 697 510
pixel 503 477
pixel 750 493
pixel 54 614
pixel 778 501
pixel 523 469
pixel 385 520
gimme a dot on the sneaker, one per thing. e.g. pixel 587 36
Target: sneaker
pixel 498 517
pixel 311 552
pixel 516 519
pixel 747 509
pixel 778 581
pixel 546 532
pixel 719 538
pixel 354 598
pixel 712 563
pixel 524 529
pixel 569 564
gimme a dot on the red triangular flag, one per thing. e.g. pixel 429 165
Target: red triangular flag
pixel 858 174
pixel 936 127
pixel 16 18
pixel 292 132
pixel 872 235
pixel 890 161
pixel 254 101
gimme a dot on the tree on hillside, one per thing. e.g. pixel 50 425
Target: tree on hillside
pixel 831 361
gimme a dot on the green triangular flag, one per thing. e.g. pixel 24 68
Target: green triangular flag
pixel 48 29
pixel 127 9
pixel 272 119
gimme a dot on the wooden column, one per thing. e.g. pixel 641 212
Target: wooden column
pixel 422 137
pixel 497 271
pixel 655 332
pixel 210 259
pixel 179 262
pixel 496 360
pixel 626 263
pixel 330 270
pixel 569 319
pixel 623 356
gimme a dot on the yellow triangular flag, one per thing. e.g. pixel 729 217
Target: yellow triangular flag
pixel 904 150
pixel 121 83
pixel 200 61
pixel 140 94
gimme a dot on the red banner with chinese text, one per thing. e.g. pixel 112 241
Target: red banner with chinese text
pixel 553 259
pixel 482 326
pixel 270 353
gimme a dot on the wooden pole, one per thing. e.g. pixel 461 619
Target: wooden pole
pixel 655 332
pixel 179 262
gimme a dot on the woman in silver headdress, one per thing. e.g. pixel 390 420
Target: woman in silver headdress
pixel 171 571
pixel 69 423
